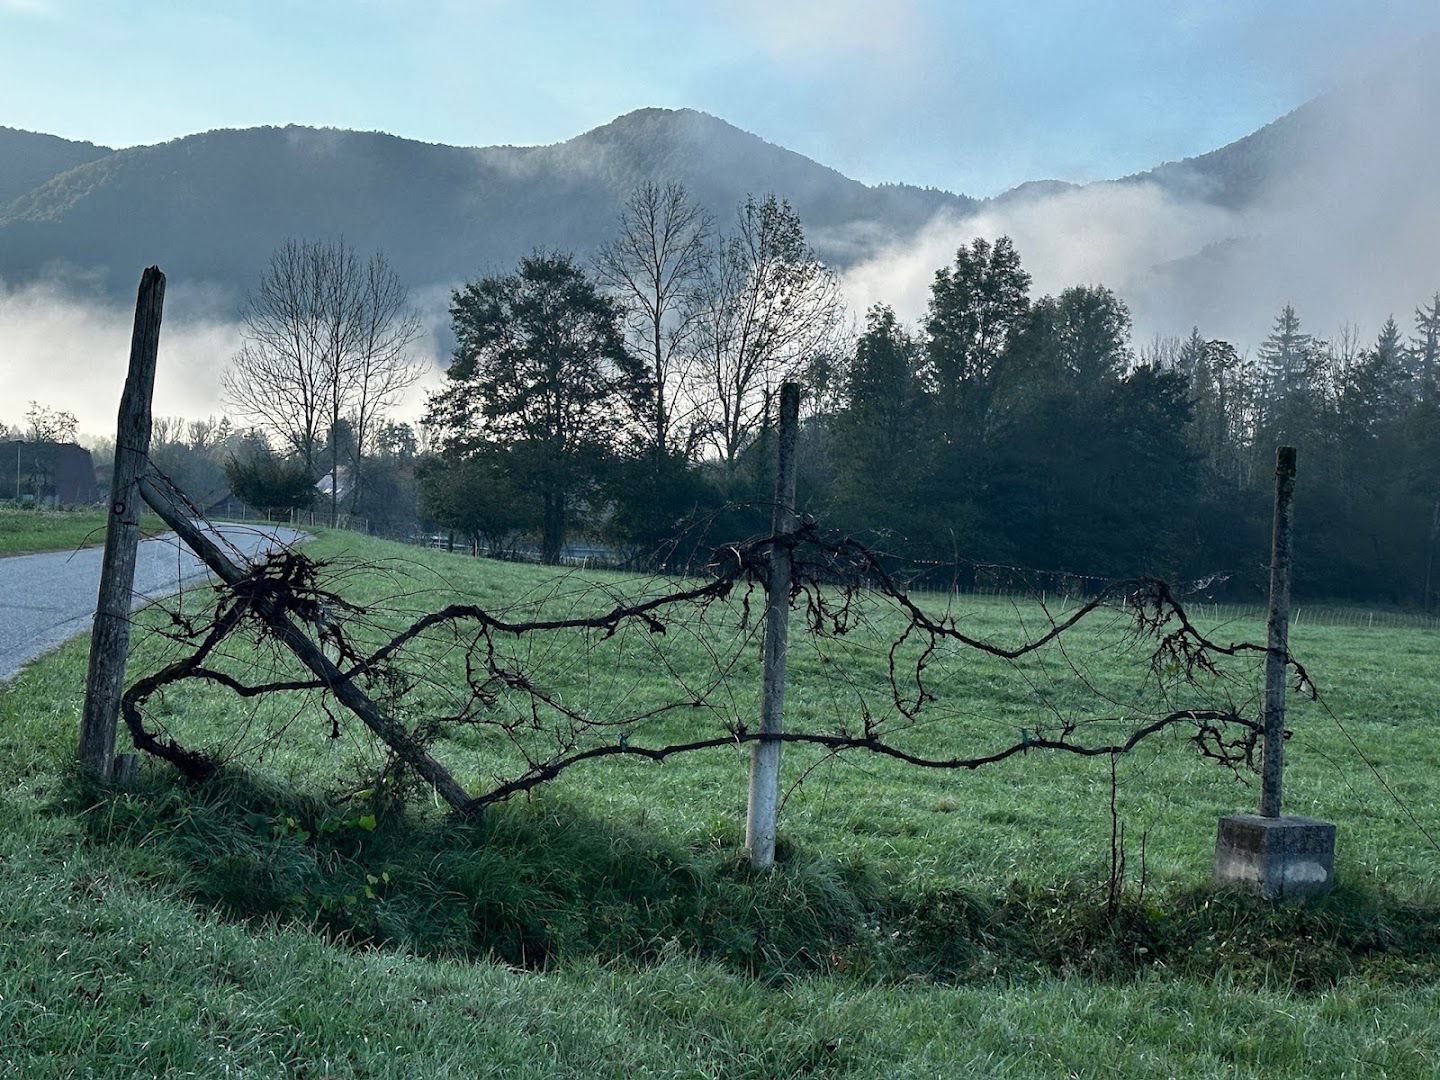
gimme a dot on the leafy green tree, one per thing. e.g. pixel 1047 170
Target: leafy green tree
pixel 1190 352
pixel 658 511
pixel 1080 338
pixel 976 305
pixel 1425 347
pixel 396 442
pixel 1287 353
pixel 1390 346
pixel 269 481
pixel 1223 389
pixel 1141 478
pixel 1419 476
pixel 540 368
pixel 1293 371
pixel 1094 476
pixel 1373 392
pixel 479 495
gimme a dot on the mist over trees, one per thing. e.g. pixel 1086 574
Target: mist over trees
pixel 629 402
pixel 1035 436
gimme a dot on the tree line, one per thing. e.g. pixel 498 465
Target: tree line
pixel 629 398
pixel 1040 436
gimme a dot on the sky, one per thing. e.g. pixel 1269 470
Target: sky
pixel 973 97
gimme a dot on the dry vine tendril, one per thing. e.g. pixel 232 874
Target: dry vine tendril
pixel 842 588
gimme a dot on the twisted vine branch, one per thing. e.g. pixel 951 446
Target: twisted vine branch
pixel 832 577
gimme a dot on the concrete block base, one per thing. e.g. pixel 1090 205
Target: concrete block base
pixel 1284 858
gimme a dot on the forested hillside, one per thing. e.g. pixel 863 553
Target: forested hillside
pixel 211 207
pixel 28 159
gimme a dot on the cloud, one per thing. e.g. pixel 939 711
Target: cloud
pixel 820 31
pixel 1111 234
pixel 70 352
pixel 1341 219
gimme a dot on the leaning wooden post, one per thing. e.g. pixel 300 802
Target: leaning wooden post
pixel 110 638
pixel 764 800
pixel 394 733
pixel 1277 655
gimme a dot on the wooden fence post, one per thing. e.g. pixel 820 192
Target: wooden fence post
pixel 1277 656
pixel 110 637
pixel 764 801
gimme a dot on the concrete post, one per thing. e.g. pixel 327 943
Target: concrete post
pixel 764 802
pixel 1279 857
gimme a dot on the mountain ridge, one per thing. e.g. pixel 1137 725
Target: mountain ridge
pixel 211 206
pixel 29 158
pixel 214 204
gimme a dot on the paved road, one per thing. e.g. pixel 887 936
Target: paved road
pixel 47 599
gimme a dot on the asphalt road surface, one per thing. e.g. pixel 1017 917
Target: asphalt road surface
pixel 47 599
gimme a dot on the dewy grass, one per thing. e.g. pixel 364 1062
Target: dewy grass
pixel 26 530
pixel 919 924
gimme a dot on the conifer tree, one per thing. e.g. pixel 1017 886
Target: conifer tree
pixel 1425 347
pixel 879 444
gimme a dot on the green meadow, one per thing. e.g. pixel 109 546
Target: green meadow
pixel 24 530
pixel 295 917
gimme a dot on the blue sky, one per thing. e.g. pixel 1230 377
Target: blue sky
pixel 973 97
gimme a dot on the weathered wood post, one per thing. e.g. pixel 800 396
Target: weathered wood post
pixel 764 802
pixel 1277 644
pixel 110 637
pixel 1281 857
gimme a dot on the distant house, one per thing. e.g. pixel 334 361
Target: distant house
pixel 326 485
pixel 51 474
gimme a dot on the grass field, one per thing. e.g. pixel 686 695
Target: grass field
pixel 24 531
pixel 921 923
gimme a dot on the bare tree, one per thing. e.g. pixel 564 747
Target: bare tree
pixel 382 370
pixel 165 430
pixel 278 377
pixel 208 434
pixel 327 341
pixel 47 425
pixel 764 307
pixel 652 266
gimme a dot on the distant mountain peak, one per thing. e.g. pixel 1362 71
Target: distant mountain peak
pixel 658 116
pixel 685 126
